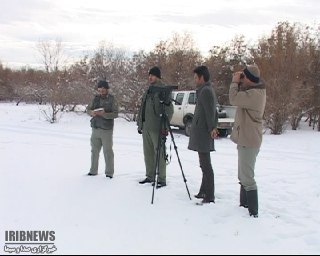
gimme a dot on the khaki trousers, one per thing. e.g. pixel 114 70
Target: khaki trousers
pixel 101 138
pixel 246 163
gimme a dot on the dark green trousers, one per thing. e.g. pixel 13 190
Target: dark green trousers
pixel 150 143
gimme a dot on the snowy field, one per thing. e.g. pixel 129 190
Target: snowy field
pixel 43 186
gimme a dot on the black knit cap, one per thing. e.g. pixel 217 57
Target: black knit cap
pixel 103 84
pixel 155 71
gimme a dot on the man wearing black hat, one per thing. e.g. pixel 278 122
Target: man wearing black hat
pixel 148 122
pixel 248 93
pixel 103 109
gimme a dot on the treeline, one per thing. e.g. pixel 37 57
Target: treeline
pixel 289 59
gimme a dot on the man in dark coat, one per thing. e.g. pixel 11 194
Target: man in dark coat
pixel 204 130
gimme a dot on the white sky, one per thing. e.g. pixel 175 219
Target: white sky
pixel 136 25
pixel 43 186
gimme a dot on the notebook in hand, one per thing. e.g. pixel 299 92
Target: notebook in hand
pixel 98 109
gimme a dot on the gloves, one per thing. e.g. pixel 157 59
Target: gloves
pixel 164 132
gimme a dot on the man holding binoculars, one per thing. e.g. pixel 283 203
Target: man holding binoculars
pixel 248 93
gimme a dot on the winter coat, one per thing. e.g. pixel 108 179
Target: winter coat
pixel 248 125
pixel 110 106
pixel 150 111
pixel 205 119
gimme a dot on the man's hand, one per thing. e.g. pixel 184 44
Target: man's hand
pixel 99 113
pixel 236 77
pixel 214 133
pixel 164 132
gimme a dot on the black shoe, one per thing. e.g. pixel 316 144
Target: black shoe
pixel 207 201
pixel 160 184
pixel 146 180
pixel 254 215
pixel 91 174
pixel 109 176
pixel 200 195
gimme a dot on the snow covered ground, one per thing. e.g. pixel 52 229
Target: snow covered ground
pixel 44 187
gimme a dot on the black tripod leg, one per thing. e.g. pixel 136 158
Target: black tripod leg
pixel 157 163
pixel 176 149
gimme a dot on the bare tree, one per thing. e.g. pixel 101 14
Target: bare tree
pixel 280 58
pixel 314 77
pixel 289 59
pixel 137 82
pixel 53 60
pixel 223 61
pixel 80 87
pixel 110 63
pixel 6 89
pixel 176 57
pixel 183 57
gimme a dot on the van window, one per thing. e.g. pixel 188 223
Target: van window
pixel 179 99
pixel 192 98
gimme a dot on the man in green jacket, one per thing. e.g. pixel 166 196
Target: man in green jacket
pixel 103 109
pixel 148 122
pixel 248 93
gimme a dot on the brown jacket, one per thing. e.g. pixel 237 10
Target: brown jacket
pixel 248 125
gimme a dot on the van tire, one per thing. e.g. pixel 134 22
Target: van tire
pixel 188 128
pixel 223 133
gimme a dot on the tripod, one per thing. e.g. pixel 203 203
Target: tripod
pixel 164 121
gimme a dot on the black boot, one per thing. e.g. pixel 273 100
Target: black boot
pixel 243 197
pixel 209 190
pixel 201 193
pixel 146 180
pixel 252 197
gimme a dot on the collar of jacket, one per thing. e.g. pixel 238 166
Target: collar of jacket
pixel 257 86
pixel 158 83
pixel 103 97
pixel 203 85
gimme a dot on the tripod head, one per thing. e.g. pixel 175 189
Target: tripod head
pixel 164 92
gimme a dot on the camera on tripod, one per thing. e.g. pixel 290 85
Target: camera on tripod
pixel 164 92
pixel 165 96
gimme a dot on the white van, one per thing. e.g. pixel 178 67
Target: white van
pixel 184 103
